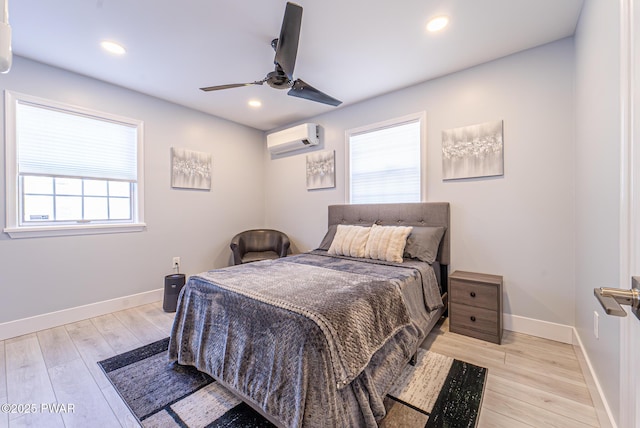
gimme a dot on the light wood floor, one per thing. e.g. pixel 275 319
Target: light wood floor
pixel 532 382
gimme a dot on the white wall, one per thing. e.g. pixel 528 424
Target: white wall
pixel 42 275
pixel 520 225
pixel 597 165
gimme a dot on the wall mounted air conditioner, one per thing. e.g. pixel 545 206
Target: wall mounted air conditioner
pixel 305 135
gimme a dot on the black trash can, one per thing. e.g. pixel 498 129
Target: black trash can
pixel 172 286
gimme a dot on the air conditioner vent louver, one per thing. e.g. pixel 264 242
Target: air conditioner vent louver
pixel 287 140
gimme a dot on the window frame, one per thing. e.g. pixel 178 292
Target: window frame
pixel 12 192
pixel 420 117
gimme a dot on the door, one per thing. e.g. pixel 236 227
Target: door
pixel 630 209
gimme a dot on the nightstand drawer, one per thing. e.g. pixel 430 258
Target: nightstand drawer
pixel 476 322
pixel 474 294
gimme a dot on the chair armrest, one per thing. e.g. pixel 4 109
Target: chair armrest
pixel 283 246
pixel 238 249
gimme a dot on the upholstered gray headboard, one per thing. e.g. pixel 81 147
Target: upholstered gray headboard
pixel 406 214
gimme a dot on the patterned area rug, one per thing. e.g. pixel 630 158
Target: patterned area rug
pixel 438 391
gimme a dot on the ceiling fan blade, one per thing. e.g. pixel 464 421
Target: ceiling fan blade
pixel 287 48
pixel 302 89
pixel 233 85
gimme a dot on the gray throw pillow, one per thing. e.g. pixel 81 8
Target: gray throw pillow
pixel 328 238
pixel 423 243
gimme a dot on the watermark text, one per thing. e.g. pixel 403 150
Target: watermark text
pixel 24 408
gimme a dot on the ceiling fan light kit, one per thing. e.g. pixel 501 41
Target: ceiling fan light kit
pixel 286 47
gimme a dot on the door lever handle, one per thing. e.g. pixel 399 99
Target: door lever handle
pixel 611 300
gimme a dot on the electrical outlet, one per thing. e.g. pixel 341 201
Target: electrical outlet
pixel 176 263
pixel 596 319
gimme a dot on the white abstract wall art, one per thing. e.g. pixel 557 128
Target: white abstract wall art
pixel 321 170
pixel 190 169
pixel 473 151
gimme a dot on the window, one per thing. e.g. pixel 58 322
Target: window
pixel 385 162
pixel 70 170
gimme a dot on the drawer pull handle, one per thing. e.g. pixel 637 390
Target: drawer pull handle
pixel 472 294
pixel 473 318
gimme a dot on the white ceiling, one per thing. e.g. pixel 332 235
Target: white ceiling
pixel 351 49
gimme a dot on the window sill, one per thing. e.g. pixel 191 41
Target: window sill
pixel 42 231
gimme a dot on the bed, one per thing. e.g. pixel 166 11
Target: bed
pixel 317 339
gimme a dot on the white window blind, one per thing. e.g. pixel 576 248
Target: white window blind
pixel 71 170
pixel 385 164
pixel 63 143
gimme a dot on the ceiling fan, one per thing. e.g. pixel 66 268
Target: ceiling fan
pixel 286 47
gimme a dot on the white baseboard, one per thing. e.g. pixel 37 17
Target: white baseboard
pixel 54 319
pixel 605 417
pixel 544 329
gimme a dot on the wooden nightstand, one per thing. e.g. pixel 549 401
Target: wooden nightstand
pixel 475 305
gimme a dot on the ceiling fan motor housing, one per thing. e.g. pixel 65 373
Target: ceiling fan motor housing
pixel 278 80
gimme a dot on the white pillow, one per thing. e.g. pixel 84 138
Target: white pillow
pixel 349 241
pixel 387 242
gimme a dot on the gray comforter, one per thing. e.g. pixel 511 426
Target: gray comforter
pixel 312 340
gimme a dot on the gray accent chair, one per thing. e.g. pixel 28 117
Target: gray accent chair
pixel 259 244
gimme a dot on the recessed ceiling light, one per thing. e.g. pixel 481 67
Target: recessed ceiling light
pixel 255 103
pixel 113 47
pixel 437 23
